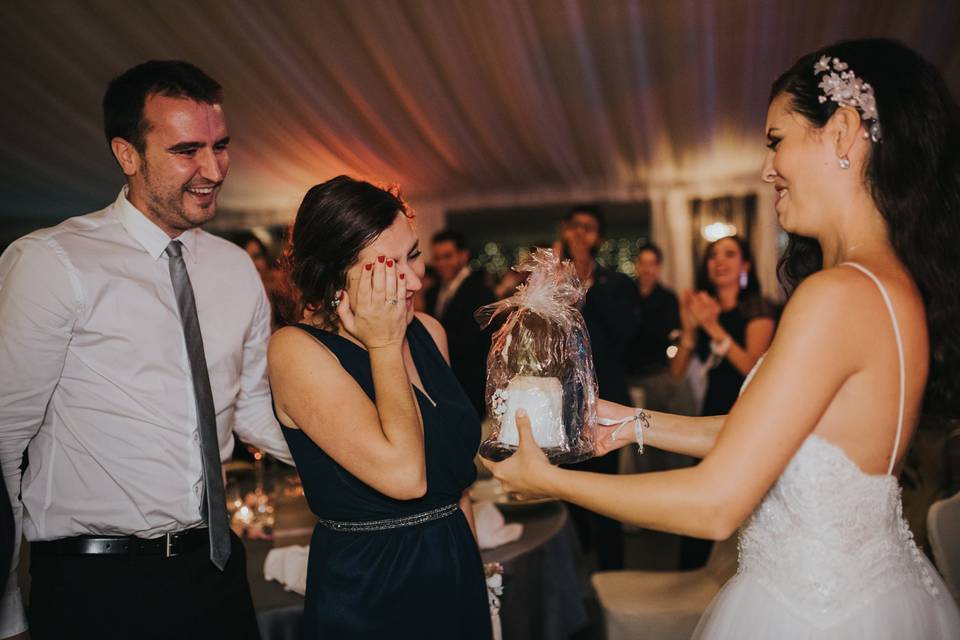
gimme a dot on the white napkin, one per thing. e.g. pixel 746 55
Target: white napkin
pixel 492 530
pixel 288 566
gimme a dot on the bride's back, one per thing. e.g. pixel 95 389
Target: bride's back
pixel 862 138
pixel 829 538
pixel 862 417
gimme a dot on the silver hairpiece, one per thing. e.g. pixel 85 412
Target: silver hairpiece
pixel 842 85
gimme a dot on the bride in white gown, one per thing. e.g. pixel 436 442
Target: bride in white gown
pixel 864 155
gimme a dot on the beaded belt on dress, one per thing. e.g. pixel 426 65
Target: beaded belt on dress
pixel 392 523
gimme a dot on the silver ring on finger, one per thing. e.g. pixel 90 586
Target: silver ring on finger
pixel 393 301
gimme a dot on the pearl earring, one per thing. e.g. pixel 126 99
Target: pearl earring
pixel 844 162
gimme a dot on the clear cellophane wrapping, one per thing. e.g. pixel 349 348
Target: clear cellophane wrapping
pixel 540 360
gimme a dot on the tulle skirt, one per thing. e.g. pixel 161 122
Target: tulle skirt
pixel 746 609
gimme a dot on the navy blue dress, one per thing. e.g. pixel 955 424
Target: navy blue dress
pixel 421 581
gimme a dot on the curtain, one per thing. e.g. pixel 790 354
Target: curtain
pixel 462 102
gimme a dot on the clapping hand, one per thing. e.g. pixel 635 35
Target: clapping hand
pixel 525 471
pixel 704 308
pixel 688 319
pixel 374 307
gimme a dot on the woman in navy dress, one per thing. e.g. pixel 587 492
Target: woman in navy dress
pixel 382 434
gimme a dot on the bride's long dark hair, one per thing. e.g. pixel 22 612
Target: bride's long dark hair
pixel 914 178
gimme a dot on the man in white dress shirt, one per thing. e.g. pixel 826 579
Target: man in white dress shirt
pixel 99 383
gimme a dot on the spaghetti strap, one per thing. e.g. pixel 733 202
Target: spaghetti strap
pixel 903 371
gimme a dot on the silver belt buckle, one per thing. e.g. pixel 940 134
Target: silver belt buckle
pixel 168 546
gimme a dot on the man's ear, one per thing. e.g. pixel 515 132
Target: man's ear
pixel 126 155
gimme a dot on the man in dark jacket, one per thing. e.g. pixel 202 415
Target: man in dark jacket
pixel 610 310
pixel 648 353
pixel 453 301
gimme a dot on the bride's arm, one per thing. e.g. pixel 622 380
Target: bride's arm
pixel 811 357
pixel 692 436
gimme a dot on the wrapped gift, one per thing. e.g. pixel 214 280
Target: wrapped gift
pixel 540 361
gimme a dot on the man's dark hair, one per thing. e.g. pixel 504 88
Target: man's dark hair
pixel 590 210
pixel 127 94
pixel 449 235
pixel 652 248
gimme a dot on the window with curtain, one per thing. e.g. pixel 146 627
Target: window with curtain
pixel 716 218
pixel 500 237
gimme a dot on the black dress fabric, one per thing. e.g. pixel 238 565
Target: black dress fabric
pixel 421 581
pixel 611 312
pixel 723 388
pixel 724 381
pixel 659 316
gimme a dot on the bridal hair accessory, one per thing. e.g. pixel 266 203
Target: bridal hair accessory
pixel 640 420
pixel 842 85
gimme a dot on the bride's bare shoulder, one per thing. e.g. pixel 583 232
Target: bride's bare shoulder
pixel 830 292
pixel 845 301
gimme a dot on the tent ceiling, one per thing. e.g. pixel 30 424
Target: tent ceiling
pixel 445 97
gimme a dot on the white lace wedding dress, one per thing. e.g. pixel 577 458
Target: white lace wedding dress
pixel 827 554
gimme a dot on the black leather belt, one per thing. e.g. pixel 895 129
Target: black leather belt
pixel 168 545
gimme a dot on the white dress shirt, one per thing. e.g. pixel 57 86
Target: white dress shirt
pixel 95 379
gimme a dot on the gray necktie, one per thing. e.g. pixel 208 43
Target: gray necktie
pixel 215 503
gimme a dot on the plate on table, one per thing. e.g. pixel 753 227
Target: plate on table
pixel 490 489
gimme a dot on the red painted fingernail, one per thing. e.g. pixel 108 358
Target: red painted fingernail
pixel 402 276
pixel 389 263
pixel 381 258
pixel 369 266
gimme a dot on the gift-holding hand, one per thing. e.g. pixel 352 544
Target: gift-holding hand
pixel 525 471
pixel 373 309
pixel 604 441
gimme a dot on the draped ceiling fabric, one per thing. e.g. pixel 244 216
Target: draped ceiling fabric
pixel 464 103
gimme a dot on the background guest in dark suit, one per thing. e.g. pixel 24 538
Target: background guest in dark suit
pixel 659 322
pixel 452 300
pixel 610 309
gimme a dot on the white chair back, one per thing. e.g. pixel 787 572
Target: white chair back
pixel 943 529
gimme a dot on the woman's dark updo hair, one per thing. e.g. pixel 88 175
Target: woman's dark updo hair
pixel 913 175
pixel 334 223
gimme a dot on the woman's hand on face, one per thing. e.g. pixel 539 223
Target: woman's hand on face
pixel 523 472
pixel 374 307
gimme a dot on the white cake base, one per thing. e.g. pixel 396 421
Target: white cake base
pixel 542 399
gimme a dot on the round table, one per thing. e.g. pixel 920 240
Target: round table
pixel 543 594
